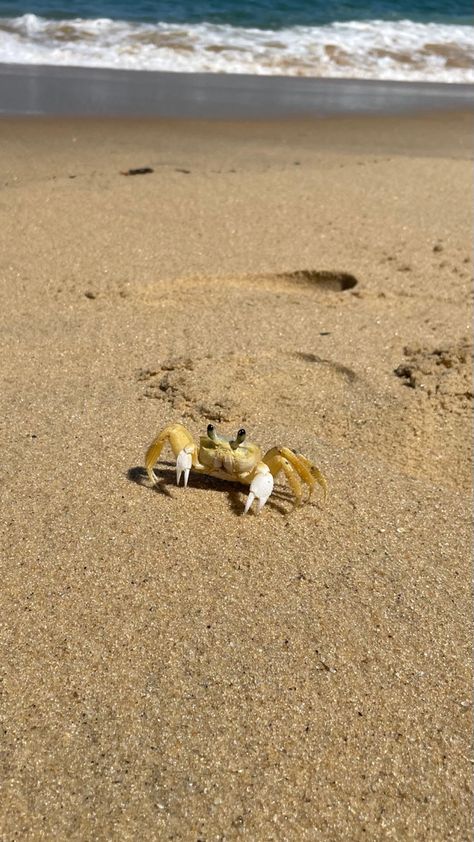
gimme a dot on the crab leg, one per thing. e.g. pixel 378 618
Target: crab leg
pixel 261 487
pixel 183 447
pixel 316 474
pixel 296 468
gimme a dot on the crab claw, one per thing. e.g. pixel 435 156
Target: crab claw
pixel 183 463
pixel 261 487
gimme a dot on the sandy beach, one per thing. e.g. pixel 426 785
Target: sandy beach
pixel 172 669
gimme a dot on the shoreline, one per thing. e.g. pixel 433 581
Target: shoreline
pixel 43 90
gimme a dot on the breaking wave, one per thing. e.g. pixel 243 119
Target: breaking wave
pixel 399 50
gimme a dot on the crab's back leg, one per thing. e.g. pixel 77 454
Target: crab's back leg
pixel 277 462
pixel 315 473
pixel 179 439
pixel 295 467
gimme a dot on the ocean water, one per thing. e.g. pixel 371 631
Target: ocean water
pixel 423 40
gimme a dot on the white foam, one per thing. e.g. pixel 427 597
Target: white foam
pixel 366 50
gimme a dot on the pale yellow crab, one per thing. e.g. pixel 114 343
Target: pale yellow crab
pixel 237 460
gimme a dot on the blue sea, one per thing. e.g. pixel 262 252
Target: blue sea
pixel 426 40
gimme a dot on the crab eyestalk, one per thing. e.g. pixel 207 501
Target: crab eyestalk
pixel 211 432
pixel 238 439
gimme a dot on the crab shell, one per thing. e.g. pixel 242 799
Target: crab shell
pixel 225 461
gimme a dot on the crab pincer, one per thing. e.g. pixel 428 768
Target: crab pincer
pixel 184 461
pixel 260 488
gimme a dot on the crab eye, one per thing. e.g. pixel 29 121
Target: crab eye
pixel 238 439
pixel 211 432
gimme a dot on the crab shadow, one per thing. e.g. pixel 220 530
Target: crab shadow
pixel 280 500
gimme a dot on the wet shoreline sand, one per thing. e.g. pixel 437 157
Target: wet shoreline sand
pixel 95 91
pixel 172 669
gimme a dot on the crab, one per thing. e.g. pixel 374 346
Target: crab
pixel 237 460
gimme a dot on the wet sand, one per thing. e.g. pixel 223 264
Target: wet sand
pixel 172 669
pixel 98 91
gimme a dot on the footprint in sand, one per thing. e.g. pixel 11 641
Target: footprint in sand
pixel 301 280
pixel 306 281
pixel 234 387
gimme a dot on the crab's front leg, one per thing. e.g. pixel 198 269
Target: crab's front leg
pixel 261 487
pixel 183 447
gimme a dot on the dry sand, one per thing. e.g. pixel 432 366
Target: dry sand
pixel 171 669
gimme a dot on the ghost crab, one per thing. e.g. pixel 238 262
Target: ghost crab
pixel 237 460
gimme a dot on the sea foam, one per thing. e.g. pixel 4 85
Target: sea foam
pixel 360 49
